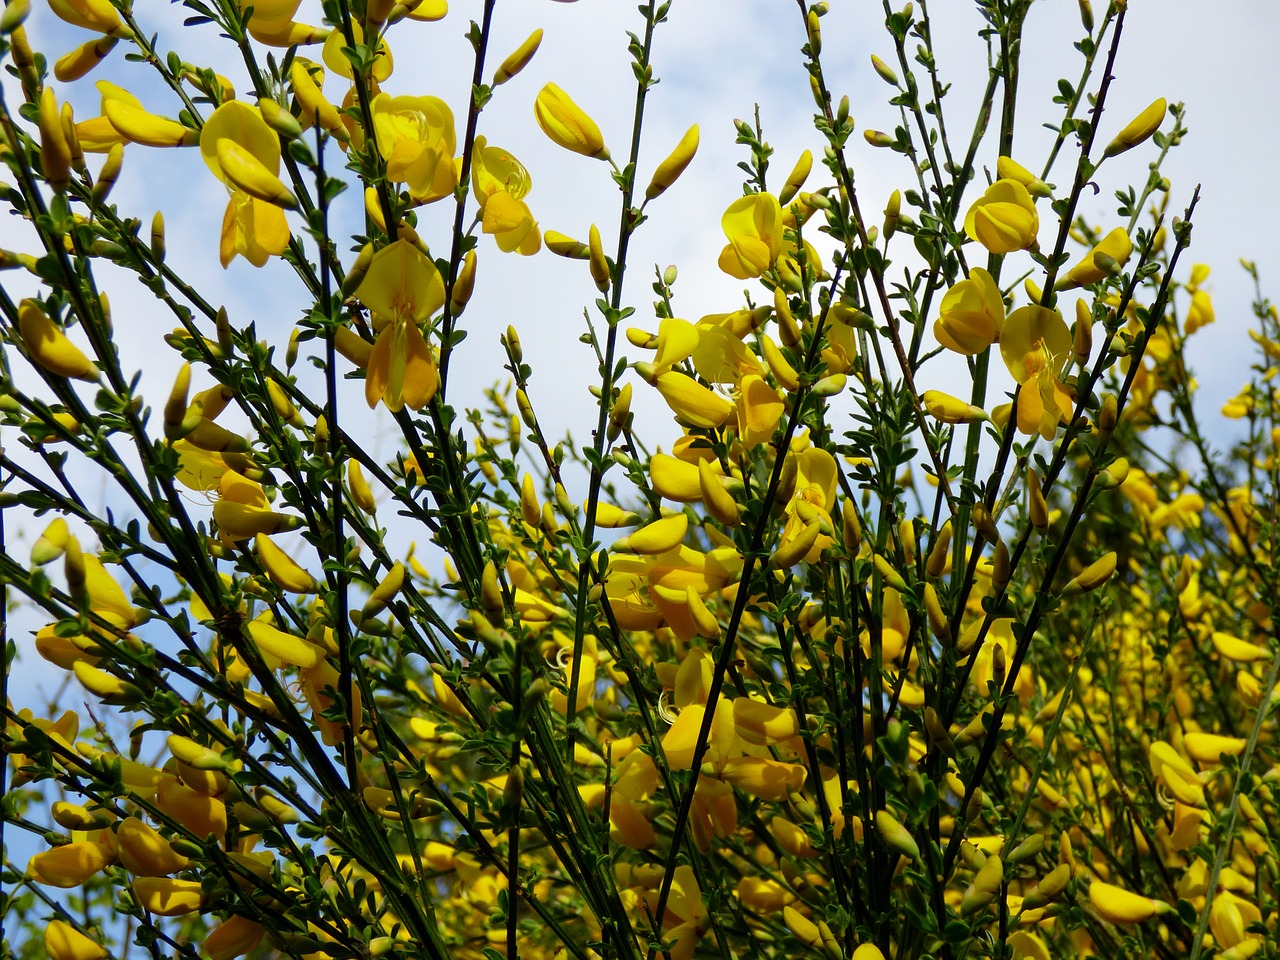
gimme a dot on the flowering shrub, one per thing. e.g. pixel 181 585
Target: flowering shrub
pixel 847 656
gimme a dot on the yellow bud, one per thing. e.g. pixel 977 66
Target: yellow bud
pixel 891 576
pixel 282 404
pixel 788 330
pixel 64 942
pixel 491 592
pixel 518 59
pixel 671 168
pixel 279 119
pixel 715 497
pixel 986 884
pixel 76 64
pixel 384 592
pixel 567 124
pixel 1092 576
pixel 800 925
pixel 851 529
pixel 937 619
pixel 948 409
pixel 895 836
pixel 106 687
pixel 1139 129
pixel 157 237
pixel 814 30
pixel 284 572
pixel 1048 889
pixel 599 264
pixel 51 544
pixel 14 16
pixel 783 371
pixel 1107 415
pixel 563 246
pixel 530 511
pixel 1119 906
pixel 940 552
pixel 796 178
pixel 55 151
pixel 1000 566
pixel 464 285
pixel 792 552
pixel 1037 506
pixel 878 138
pixel 892 214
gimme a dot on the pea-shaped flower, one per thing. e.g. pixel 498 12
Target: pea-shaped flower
pixel 244 153
pixel 416 137
pixel 402 289
pixel 753 225
pixel 1004 219
pixel 500 182
pixel 1035 345
pixel 971 315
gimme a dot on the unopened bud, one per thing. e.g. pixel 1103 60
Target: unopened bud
pixel 883 69
pixel 1092 576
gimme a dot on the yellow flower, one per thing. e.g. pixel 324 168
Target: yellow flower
pixel 753 225
pixel 64 942
pixel 1119 906
pixel 686 917
pixel 1035 344
pixel 402 289
pixel 243 511
pixel 501 182
pixel 971 315
pixel 339 64
pixel 1004 219
pixel 69 865
pixel 415 135
pixel 234 937
pixel 242 151
pixel 96 15
pixel 567 124
pixel 692 402
pixel 759 409
pixel 1115 247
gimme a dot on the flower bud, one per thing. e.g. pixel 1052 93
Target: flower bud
pixel 878 138
pixel 814 30
pixel 1037 506
pixel 895 836
pixel 1139 129
pixel 1092 576
pixel 1048 889
pixel 279 119
pixel 986 884
pixel 892 214
pixel 598 263
pixel 948 409
pixel 1119 906
pixel 519 58
pixel 567 124
pixel 886 74
pixel 796 178
pixel 670 169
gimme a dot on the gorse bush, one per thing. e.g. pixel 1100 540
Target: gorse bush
pixel 852 657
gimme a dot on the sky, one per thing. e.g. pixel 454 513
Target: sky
pixel 717 60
